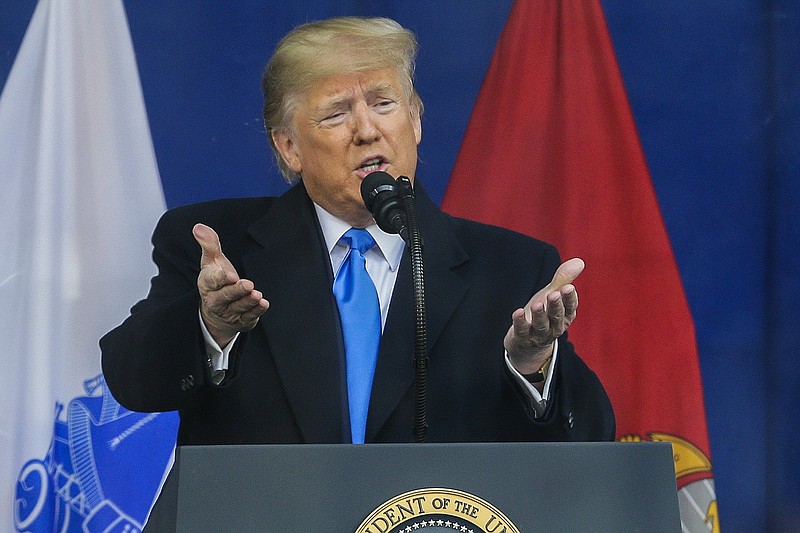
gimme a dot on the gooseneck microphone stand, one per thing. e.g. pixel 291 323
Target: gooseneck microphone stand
pixel 420 426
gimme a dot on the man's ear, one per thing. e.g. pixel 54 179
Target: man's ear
pixel 288 149
pixel 416 117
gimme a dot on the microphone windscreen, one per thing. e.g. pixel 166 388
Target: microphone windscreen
pixel 375 183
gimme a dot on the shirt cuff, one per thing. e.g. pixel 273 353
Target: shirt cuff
pixel 538 399
pixel 216 357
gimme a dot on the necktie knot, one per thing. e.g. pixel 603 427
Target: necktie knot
pixel 358 239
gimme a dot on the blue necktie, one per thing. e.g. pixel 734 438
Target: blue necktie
pixel 360 313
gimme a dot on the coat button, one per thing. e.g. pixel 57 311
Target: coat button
pixel 187 382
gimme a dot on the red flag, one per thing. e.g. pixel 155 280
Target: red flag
pixel 553 152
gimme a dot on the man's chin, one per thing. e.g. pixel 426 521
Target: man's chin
pixel 361 220
pixel 355 214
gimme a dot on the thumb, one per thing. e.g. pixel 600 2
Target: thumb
pixel 209 243
pixel 566 273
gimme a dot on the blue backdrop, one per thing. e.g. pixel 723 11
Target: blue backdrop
pixel 714 90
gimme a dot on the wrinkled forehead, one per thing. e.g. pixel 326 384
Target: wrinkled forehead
pixel 336 87
pixel 314 63
pixel 369 84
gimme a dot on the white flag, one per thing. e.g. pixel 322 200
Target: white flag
pixel 80 196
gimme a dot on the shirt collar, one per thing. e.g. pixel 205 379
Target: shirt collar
pixel 391 246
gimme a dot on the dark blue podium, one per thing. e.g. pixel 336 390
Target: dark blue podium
pixel 526 487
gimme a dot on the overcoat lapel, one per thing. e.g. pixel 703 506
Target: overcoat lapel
pixel 444 290
pixel 301 325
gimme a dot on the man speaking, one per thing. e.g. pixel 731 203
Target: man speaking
pixel 291 319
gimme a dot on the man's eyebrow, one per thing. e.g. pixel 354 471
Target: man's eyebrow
pixel 380 89
pixel 337 102
pixel 343 101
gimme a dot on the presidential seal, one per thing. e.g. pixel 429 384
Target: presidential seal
pixel 436 509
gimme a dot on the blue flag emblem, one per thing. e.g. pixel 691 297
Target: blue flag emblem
pixel 102 471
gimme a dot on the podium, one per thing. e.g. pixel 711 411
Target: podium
pixel 526 487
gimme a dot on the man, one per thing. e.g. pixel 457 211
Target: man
pixel 243 334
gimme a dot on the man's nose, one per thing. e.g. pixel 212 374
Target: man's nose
pixel 365 130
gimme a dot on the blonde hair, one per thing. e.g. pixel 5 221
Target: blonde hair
pixel 340 45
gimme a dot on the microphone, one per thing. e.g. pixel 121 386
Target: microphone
pixel 391 203
pixel 382 197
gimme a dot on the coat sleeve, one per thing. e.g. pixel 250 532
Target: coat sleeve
pixel 578 408
pixel 155 360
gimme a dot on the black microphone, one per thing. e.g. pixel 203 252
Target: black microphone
pixel 382 197
pixel 391 203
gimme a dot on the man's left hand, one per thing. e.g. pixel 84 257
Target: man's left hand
pixel 546 316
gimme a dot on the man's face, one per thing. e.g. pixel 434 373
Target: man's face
pixel 344 127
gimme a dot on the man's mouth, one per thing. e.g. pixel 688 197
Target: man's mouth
pixel 371 165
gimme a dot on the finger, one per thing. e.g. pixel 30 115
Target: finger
pixel 245 303
pixel 555 313
pixel 520 323
pixel 570 298
pixel 540 323
pixel 226 296
pixel 248 308
pixel 235 314
pixel 251 316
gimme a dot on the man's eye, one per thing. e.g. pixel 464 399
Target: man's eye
pixel 384 104
pixel 334 117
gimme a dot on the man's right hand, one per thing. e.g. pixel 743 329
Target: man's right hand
pixel 228 304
